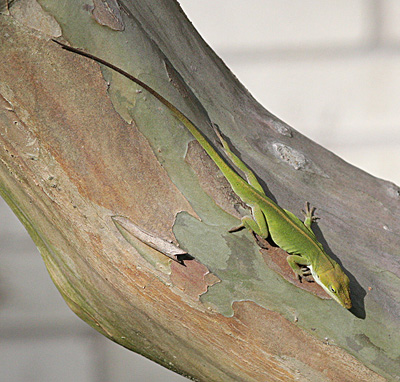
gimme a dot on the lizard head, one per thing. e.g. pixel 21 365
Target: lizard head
pixel 336 284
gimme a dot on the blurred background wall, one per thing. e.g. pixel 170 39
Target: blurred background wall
pixel 331 69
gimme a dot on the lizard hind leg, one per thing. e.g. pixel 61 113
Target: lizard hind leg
pixel 258 224
pixel 251 178
pixel 249 223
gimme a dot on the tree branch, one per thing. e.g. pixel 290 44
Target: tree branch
pixel 83 149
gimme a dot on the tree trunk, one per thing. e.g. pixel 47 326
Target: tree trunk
pixel 96 169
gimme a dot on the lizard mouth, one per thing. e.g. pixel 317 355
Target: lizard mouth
pixel 347 304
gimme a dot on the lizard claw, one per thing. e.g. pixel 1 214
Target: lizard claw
pixel 305 271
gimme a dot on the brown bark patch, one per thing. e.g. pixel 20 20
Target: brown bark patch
pixel 193 279
pixel 109 161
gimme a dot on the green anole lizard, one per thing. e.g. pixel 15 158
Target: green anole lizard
pixel 306 253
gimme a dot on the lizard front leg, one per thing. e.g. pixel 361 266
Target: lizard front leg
pixel 299 265
pixel 308 213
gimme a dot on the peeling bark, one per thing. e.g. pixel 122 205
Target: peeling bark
pixel 80 145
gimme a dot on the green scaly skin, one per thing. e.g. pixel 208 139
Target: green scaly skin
pixel 287 231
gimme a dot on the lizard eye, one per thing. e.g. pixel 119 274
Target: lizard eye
pixel 333 290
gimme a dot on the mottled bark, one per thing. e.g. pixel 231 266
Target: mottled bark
pixel 83 150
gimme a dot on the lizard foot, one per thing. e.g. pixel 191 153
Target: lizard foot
pixel 308 278
pixel 304 273
pixel 308 212
pixel 263 243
